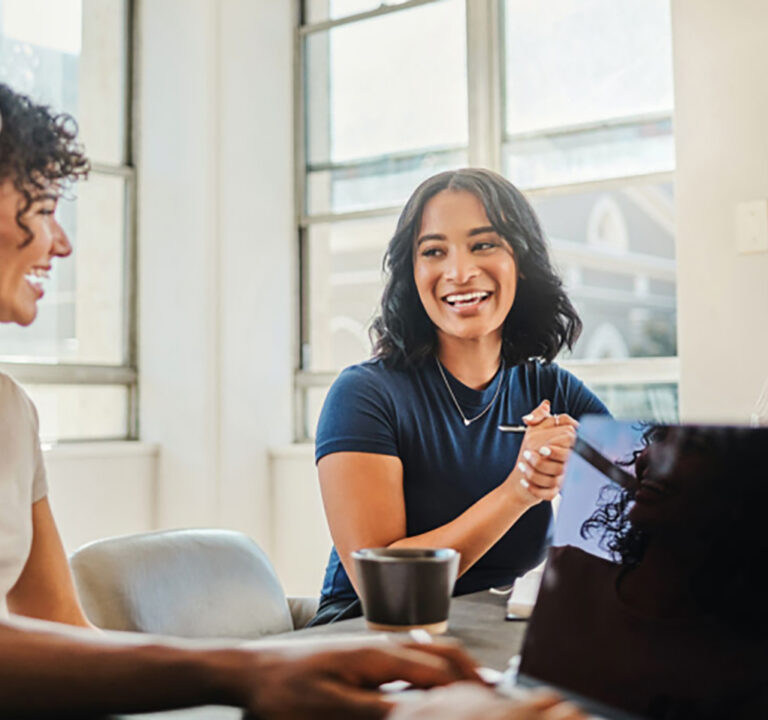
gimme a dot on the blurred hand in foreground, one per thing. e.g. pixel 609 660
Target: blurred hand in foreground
pixel 344 683
pixel 466 701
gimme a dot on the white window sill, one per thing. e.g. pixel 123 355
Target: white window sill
pixel 110 448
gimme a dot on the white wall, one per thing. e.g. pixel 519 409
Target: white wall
pixel 102 489
pixel 216 253
pixel 721 133
pixel 301 540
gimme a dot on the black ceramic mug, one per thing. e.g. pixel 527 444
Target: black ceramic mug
pixel 404 589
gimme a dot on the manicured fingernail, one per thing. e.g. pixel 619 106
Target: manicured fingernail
pixel 522 467
pixel 545 451
pixel 528 417
pixel 525 483
pixel 528 455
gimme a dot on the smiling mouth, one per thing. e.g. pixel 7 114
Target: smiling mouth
pixel 469 299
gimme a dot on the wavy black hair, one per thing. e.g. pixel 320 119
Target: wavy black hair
pixel 726 581
pixel 542 319
pixel 38 150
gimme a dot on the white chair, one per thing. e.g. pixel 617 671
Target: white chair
pixel 185 583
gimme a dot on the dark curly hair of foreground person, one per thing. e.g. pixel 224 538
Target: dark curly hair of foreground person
pixel 38 150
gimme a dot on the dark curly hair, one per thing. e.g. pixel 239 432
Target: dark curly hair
pixel 38 150
pixel 610 520
pixel 725 581
pixel 542 319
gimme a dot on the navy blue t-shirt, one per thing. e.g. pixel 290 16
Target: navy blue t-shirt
pixel 446 466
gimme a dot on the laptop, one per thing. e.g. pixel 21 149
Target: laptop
pixel 651 603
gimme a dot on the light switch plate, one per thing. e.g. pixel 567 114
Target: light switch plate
pixel 752 226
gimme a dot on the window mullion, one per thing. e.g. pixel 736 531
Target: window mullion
pixel 484 57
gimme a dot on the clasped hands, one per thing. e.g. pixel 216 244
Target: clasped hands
pixel 540 465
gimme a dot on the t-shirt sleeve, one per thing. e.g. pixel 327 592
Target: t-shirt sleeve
pixel 20 439
pixel 357 416
pixel 39 478
pixel 573 396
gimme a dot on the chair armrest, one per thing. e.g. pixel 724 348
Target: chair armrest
pixel 302 609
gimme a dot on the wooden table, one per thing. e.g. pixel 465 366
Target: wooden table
pixel 476 620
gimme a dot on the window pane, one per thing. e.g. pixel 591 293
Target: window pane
pixel 82 412
pixel 391 84
pixel 71 54
pixel 569 62
pixel 656 402
pixel 80 318
pixel 615 152
pixel 345 285
pixel 616 253
pixel 588 90
pixel 383 183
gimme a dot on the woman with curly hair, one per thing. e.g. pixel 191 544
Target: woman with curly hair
pixel 411 448
pixel 38 156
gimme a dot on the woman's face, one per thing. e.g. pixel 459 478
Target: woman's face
pixel 23 268
pixel 465 272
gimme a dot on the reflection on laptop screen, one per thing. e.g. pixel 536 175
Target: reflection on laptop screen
pixel 651 601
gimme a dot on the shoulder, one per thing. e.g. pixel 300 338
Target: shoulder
pixel 9 388
pixel 360 411
pixel 545 372
pixel 18 423
pixel 373 379
pixel 14 401
pixel 566 392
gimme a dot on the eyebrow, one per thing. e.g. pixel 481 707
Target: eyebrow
pixel 472 233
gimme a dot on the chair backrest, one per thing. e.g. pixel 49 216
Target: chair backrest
pixel 184 583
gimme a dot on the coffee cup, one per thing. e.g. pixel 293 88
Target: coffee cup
pixel 405 589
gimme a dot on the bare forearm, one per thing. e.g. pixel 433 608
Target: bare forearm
pixel 43 673
pixel 477 529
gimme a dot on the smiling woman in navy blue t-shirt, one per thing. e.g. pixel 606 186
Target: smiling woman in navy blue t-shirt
pixel 409 450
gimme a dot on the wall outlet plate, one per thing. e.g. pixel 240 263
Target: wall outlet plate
pixel 752 226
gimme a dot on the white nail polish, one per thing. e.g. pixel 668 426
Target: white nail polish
pixel 545 451
pixel 528 418
pixel 522 467
pixel 525 483
pixel 528 455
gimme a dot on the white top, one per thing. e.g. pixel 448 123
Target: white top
pixel 22 482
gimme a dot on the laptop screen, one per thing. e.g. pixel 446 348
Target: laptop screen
pixel 652 601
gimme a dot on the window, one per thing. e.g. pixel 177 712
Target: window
pixel 571 101
pixel 78 359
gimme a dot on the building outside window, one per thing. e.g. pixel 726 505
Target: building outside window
pixel 571 101
pixel 77 360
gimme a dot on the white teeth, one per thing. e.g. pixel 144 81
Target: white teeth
pixel 35 276
pixel 467 297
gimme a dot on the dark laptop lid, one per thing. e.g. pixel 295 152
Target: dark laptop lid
pixel 651 600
